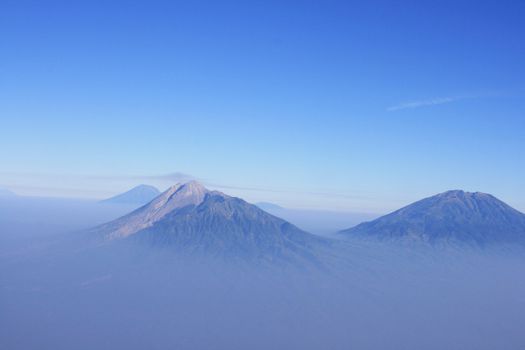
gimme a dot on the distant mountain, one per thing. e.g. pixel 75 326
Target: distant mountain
pixel 268 206
pixel 4 192
pixel 139 195
pixel 191 219
pixel 454 216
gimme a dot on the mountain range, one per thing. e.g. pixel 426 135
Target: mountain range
pixel 450 217
pixel 190 219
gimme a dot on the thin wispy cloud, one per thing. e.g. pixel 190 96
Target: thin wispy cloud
pixel 101 185
pixel 339 194
pixel 424 103
pixel 172 177
pixel 84 185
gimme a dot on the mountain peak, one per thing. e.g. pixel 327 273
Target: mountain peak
pixel 138 195
pixel 464 194
pixel 187 189
pixel 466 217
pixel 175 197
pixel 453 193
pixel 184 193
pixel 145 187
pixel 193 188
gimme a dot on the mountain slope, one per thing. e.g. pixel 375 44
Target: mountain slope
pixel 139 195
pixel 191 219
pixel 454 216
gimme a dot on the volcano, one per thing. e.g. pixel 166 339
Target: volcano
pixel 454 216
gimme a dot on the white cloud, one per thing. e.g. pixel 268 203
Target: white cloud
pixel 423 103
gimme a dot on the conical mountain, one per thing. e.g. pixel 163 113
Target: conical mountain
pixel 192 219
pixel 453 216
pixel 139 195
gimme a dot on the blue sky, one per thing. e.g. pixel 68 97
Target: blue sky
pixel 339 105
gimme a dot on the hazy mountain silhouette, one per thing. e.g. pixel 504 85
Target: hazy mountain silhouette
pixel 139 195
pixel 454 216
pixel 4 192
pixel 191 219
pixel 268 206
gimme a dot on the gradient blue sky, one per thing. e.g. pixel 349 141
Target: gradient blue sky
pixel 339 105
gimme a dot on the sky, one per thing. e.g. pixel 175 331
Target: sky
pixel 336 105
